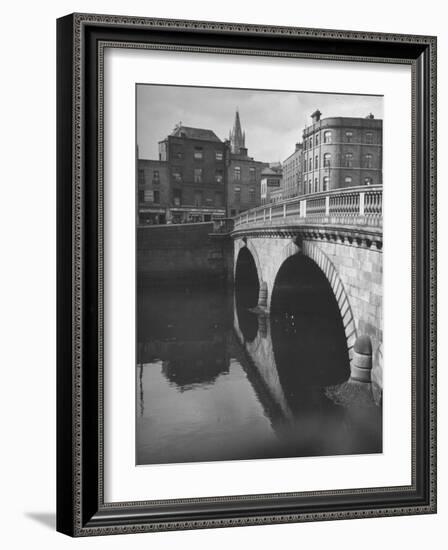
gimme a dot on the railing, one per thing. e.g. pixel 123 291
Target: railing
pixel 348 206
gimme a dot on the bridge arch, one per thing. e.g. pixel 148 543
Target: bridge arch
pixel 269 259
pixel 331 273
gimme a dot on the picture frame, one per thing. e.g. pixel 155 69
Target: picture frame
pixel 81 506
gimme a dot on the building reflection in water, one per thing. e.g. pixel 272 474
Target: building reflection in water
pixel 217 381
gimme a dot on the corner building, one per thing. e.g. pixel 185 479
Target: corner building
pixel 341 152
pixel 196 159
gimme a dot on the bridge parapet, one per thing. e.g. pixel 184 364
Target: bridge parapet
pixel 353 206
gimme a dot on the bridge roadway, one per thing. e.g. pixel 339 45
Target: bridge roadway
pixel 340 231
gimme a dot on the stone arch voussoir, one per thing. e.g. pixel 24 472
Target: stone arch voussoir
pixel 324 263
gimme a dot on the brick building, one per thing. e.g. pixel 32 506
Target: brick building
pixel 243 173
pixel 153 191
pixel 292 173
pixel 341 152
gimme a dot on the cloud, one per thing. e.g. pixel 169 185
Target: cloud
pixel 273 120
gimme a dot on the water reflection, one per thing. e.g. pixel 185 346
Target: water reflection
pixel 216 381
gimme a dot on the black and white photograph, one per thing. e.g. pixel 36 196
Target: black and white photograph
pixel 259 291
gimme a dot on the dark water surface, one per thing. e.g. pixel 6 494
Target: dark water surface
pixel 218 381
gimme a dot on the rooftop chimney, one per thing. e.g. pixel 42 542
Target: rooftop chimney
pixel 370 115
pixel 315 117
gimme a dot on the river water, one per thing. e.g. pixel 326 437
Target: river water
pixel 216 380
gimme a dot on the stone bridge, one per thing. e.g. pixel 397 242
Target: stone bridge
pixel 336 233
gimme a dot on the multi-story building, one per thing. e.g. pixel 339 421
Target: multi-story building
pixel 243 173
pixel 196 160
pixel 153 191
pixel 271 185
pixel 341 152
pixel 292 173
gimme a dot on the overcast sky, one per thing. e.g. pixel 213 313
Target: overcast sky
pixel 273 121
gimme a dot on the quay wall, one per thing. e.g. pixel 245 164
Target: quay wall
pixel 184 253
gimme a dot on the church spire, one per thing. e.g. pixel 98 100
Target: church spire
pixel 237 136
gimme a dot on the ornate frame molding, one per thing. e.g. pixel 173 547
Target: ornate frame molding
pixel 81 42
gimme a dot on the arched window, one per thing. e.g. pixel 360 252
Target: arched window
pixel 310 164
pixel 348 158
pixel 348 137
pixel 368 161
pixel 315 185
pixel 327 136
pixel 369 137
pixel 348 180
pixel 311 142
pixel 316 140
pixel 326 183
pixel 327 160
pixel 316 162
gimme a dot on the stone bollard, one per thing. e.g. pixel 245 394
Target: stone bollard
pixel 263 295
pixel 361 365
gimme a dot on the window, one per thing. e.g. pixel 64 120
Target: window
pixel 163 151
pixel 326 183
pixel 237 173
pixel 368 161
pixel 141 176
pixel 367 181
pixel 155 177
pixel 198 198
pixel 316 140
pixel 348 160
pixel 327 137
pixel 177 175
pixel 348 137
pixel 311 142
pixel 315 185
pixel 237 191
pixel 310 164
pixel 309 186
pixel 369 137
pixel 198 175
pixel 219 176
pixel 198 153
pixel 208 200
pixel 178 155
pixel 141 196
pixel 177 197
pixel 327 160
pixel 252 174
pixel 219 155
pixel 304 145
pixel 348 180
pixel 252 194
pixel 316 162
pixel 219 199
pixel 157 197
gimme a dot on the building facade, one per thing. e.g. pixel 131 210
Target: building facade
pixel 341 152
pixel 292 173
pixel 271 185
pixel 243 173
pixel 196 159
pixel 153 192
